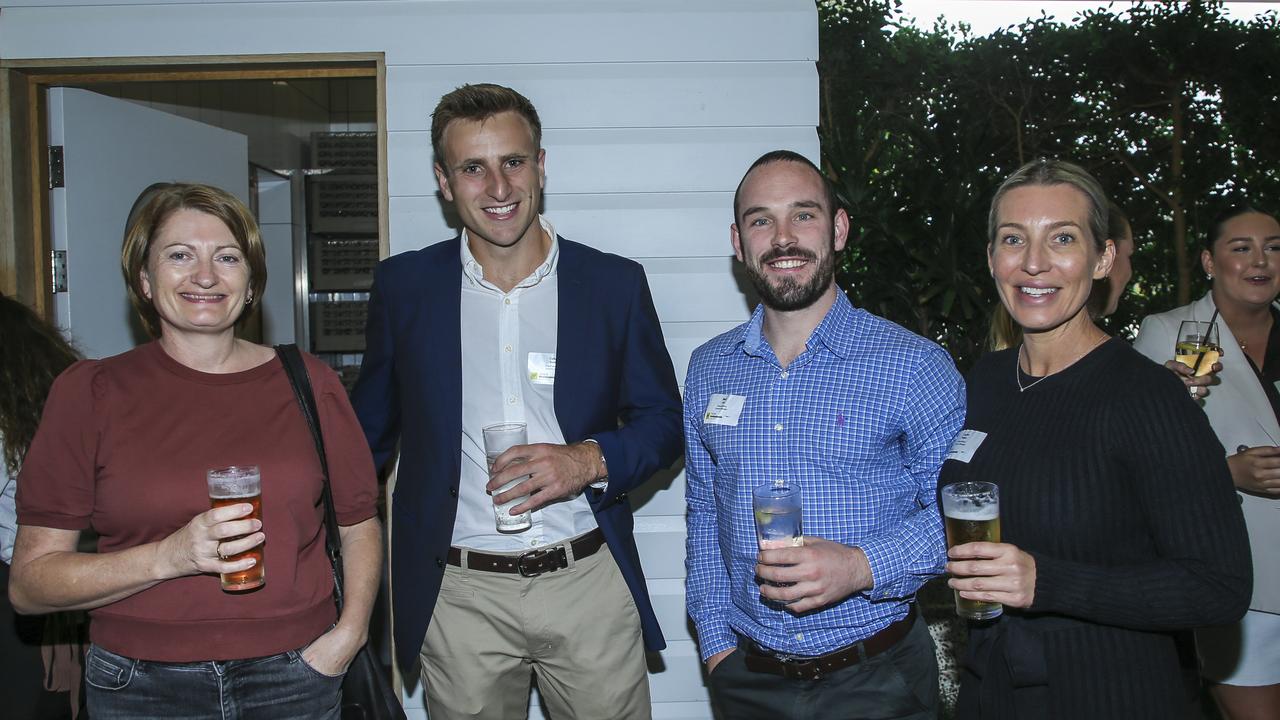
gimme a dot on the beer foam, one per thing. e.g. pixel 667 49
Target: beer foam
pixel 970 512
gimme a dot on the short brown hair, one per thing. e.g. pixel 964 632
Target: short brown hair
pixel 775 156
pixel 479 102
pixel 159 203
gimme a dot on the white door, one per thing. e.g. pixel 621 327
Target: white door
pixel 111 150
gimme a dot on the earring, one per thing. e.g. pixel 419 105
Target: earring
pixel 248 300
pixel 1208 276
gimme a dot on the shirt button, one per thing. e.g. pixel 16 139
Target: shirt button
pixel 784 374
pixel 778 427
pixel 507 348
pixel 535 542
pixel 453 491
pixel 799 636
pixel 506 301
pixel 439 563
pixel 511 400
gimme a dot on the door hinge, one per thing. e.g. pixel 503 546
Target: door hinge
pixel 55 166
pixel 58 268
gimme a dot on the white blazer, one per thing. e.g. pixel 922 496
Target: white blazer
pixel 1240 414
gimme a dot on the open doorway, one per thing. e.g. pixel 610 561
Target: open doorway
pixel 315 172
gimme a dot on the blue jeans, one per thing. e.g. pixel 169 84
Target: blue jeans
pixel 278 687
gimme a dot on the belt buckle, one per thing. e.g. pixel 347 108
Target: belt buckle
pixel 534 556
pixel 800 668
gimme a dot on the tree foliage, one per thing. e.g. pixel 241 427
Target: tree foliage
pixel 1173 106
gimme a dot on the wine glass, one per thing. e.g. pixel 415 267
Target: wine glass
pixel 1197 347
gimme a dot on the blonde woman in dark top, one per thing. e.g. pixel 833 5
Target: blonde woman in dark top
pixel 1119 527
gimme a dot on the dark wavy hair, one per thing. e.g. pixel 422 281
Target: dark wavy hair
pixel 32 354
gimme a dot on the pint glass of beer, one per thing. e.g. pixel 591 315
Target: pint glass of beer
pixel 230 486
pixel 971 511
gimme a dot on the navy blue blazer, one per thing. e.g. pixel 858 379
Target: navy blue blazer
pixel 614 383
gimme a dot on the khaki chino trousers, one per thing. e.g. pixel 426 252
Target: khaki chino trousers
pixel 576 629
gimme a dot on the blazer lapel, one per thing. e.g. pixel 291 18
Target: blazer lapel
pixel 571 340
pixel 438 332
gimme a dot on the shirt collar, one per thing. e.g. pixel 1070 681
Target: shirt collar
pixel 835 332
pixel 473 272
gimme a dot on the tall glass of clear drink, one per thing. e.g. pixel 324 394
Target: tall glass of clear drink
pixel 779 517
pixel 498 439
pixel 778 513
pixel 971 512
pixel 230 486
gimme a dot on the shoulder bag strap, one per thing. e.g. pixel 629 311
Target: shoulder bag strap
pixel 296 369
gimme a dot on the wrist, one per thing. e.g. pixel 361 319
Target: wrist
pixel 600 469
pixel 351 635
pixel 164 566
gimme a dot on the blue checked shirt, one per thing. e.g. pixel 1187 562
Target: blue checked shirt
pixel 862 420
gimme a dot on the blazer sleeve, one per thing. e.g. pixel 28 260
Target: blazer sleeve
pixel 650 435
pixel 1155 338
pixel 376 398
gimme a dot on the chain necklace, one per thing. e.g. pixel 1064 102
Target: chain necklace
pixel 1017 366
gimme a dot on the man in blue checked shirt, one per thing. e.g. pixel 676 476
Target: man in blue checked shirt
pixel 860 414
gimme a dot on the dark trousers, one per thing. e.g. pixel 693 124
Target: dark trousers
pixel 899 683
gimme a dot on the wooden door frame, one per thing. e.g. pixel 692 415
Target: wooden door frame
pixel 25 240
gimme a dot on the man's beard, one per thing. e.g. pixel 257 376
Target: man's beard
pixel 788 294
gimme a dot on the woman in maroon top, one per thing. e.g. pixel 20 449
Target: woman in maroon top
pixel 123 448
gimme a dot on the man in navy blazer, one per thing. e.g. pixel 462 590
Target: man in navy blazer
pixel 460 335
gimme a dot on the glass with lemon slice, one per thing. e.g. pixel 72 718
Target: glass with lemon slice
pixel 1197 347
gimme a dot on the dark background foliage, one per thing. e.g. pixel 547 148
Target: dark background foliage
pixel 1173 107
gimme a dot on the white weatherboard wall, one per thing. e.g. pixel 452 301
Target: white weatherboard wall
pixel 652 111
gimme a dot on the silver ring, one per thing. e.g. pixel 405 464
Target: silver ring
pixel 221 557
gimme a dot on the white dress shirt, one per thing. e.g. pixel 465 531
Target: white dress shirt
pixel 505 337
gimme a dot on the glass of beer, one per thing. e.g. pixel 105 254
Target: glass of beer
pixel 1197 347
pixel 971 511
pixel 497 440
pixel 230 486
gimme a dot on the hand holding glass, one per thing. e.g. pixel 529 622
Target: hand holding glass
pixel 497 440
pixel 1197 347
pixel 231 486
pixel 971 511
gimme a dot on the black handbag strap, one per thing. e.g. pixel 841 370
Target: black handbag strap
pixel 296 370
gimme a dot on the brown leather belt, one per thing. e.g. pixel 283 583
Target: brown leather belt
pixel 762 660
pixel 534 562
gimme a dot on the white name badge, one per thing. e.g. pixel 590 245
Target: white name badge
pixel 542 368
pixel 965 445
pixel 724 409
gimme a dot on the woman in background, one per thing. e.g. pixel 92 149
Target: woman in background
pixel 1241 256
pixel 1119 527
pixel 32 354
